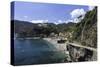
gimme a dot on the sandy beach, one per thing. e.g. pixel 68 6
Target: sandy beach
pixel 59 47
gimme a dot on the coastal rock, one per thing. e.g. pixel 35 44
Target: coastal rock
pixel 81 54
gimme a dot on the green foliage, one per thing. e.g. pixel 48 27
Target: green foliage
pixel 26 29
pixel 86 31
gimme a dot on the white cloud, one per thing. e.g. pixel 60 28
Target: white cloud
pixel 25 16
pixel 90 8
pixel 77 12
pixel 60 21
pixel 56 23
pixel 68 21
pixel 39 21
pixel 75 20
pixel 45 20
pixel 64 21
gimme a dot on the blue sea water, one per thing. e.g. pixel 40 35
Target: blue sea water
pixel 36 51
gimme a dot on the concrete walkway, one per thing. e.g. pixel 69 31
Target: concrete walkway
pixel 78 45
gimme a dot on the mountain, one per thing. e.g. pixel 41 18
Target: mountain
pixel 24 28
pixel 21 25
pixel 65 27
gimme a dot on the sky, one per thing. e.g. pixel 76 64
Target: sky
pixel 47 12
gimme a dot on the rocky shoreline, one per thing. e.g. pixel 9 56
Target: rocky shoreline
pixel 60 47
pixel 74 53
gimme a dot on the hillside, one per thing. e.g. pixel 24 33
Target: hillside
pixel 28 29
pixel 86 31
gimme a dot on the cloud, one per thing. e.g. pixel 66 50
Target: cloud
pixel 56 23
pixel 91 8
pixel 68 21
pixel 77 12
pixel 75 20
pixel 64 21
pixel 25 16
pixel 60 21
pixel 45 20
pixel 39 21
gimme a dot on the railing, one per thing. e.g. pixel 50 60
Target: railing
pixel 81 46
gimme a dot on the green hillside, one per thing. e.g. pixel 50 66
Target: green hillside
pixel 85 31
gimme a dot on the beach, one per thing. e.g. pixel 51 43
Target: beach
pixel 59 47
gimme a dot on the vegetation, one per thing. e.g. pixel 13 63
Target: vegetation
pixel 27 29
pixel 85 31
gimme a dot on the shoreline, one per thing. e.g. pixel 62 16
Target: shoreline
pixel 53 41
pixel 60 47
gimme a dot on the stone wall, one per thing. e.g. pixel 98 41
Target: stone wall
pixel 81 54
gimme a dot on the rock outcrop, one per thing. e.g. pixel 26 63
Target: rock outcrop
pixel 81 54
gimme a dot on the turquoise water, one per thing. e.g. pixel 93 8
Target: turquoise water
pixel 35 51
